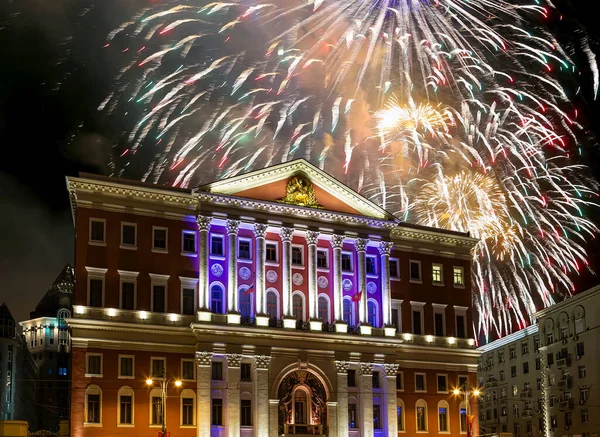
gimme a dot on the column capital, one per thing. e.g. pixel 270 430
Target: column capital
pixel 342 366
pixel 311 237
pixel 286 234
pixel 260 230
pixel 203 222
pixel 337 241
pixel 204 358
pixel 361 244
pixel 262 361
pixel 365 368
pixel 233 360
pixel 390 369
pixel 385 247
pixel 233 227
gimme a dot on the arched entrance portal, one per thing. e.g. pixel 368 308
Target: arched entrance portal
pixel 302 404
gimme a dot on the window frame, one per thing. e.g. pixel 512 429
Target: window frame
pixel 401 425
pixel 376 305
pixel 276 244
pixel 187 394
pixel 410 263
pixel 439 283
pixel 250 246
pixel 157 378
pixel 92 389
pixel 400 374
pixel 445 375
pixel 326 297
pixel 461 311
pixel 351 256
pixel 327 264
pixel 184 252
pixel 375 272
pixel 125 391
pixel 277 302
pixel 159 249
pixel 159 280
pixel 419 404
pixel 212 411
pixel 155 392
pixel 394 276
pixel 215 256
pixel 443 404
pixel 242 406
pixel 88 355
pixel 120 375
pixel 96 273
pixel 188 360
pixel 223 297
pixel 424 374
pixel 102 242
pixel 128 277
pixel 301 265
pixel 299 293
pixel 439 309
pixel 417 307
pixel 396 304
pixel 124 245
pixel 462 270
pixel 188 283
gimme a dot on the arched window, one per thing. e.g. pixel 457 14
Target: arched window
pixel 324 308
pixel 352 413
pixel 372 313
pixel 463 417
pixel 156 411
pixel 349 311
pixel 273 304
pixel 125 399
pixel 216 299
pixel 443 417
pixel 579 317
pixel 93 405
pixel 400 414
pixel 421 415
pixel 245 302
pixel 298 306
pixel 188 408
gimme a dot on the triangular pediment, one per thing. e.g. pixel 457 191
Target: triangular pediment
pixel 298 183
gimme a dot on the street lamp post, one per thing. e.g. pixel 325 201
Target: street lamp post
pixel 467 393
pixel 164 382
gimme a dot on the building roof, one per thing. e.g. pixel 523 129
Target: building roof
pixel 59 295
pixel 7 322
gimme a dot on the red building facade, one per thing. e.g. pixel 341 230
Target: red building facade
pixel 280 301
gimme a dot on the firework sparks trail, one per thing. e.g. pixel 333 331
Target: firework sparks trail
pixel 451 113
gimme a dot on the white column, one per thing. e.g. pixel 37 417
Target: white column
pixel 361 246
pixel 365 388
pixel 260 231
pixel 337 241
pixel 234 362
pixel 342 398
pixel 273 419
pixel 204 314
pixel 390 398
pixel 385 247
pixel 203 361
pixel 286 277
pixel 233 315
pixel 313 292
pixel 261 395
pixel 332 418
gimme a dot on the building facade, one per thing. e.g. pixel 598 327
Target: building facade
pixel 47 337
pixel 17 373
pixel 280 302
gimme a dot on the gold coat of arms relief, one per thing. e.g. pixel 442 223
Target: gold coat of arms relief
pixel 300 191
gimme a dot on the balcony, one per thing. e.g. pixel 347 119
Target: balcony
pixel 563 362
pixel 565 383
pixel 565 404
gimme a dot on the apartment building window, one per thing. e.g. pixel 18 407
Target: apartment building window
pixel 125 406
pixel 159 238
pixel 322 259
pixel 158 367
pixel 188 241
pixel 585 416
pixel 420 382
pixel 437 274
pixel 217 371
pixel 246 372
pixel 244 250
pixel 580 350
pixel 127 295
pixel 538 383
pixel 400 380
pixel 187 370
pixel 376 416
pixel 536 345
pixel 156 405
pixel 187 411
pixel 584 395
pixel 462 382
pixel 442 383
pixel 346 262
pixel 216 245
pixel 579 325
pixel 351 378
pixel 126 366
pixel 549 338
pixel 93 400
pixel 461 327
pixel 421 415
pixel 128 235
pixel 370 264
pixel 415 271
pixel 550 359
pixel 417 319
pixel 458 275
pixel 94 365
pixel 516 410
pixel 581 371
pixel 97 231
pixel 513 352
pixel 187 301
pixel 96 287
pixel 525 368
pixel 159 293
pixel 564 332
pixel 323 305
pixel 216 299
pixel 438 321
pixel 500 356
pixel 298 259
pixel 394 268
pixel 538 364
pixel 246 413
pixel 271 252
pixel 524 348
pixel 352 415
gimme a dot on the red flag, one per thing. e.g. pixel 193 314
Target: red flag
pixel 357 296
pixel 249 290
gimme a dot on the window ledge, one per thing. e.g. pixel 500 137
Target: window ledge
pixel 245 260
pixel 323 270
pixel 155 426
pixel 94 375
pixel 393 278
pixel 459 286
pixel 347 272
pixel 187 426
pixel 438 284
pixel 92 425
pixel 420 391
pixel 155 250
pixel 126 377
pixel 372 275
pixel 125 425
pixel 298 267
pixel 417 281
pixel 190 254
pixel 217 257
pixel 127 247
pixel 422 432
pixel 188 380
pixel 97 243
pixel 272 263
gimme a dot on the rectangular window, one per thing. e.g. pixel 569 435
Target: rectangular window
pixel 125 366
pixel 400 380
pixel 128 234
pixel 500 356
pixel 346 262
pixel 271 252
pixel 322 259
pixel 187 370
pixel 97 233
pixel 585 416
pixel 525 368
pixel 370 263
pixel 187 304
pixel 549 338
pixel 187 412
pixel 94 364
pixel 579 326
pixel 376 416
pixel 462 382
pixel 415 271
pixel 580 350
pixel 375 379
pixel 159 238
pixel 127 295
pixel 439 324
pixel 158 298
pixel 217 371
pixel 458 276
pixel 394 268
pixel 436 274
pixel 216 245
pixel 443 419
pixel 125 410
pixel 244 251
pixel 188 242
pixel 538 383
pixel 417 323
pixel 96 291
pixel 157 367
pixel 217 412
pixel 93 408
pixel 581 371
pixel 246 413
pixel 351 378
pixel 461 331
pixel 400 416
pixel 550 359
pixel 421 419
pixel 524 348
pixel 513 371
pixel 352 416
pixel 246 372
pixel 297 258
pixel 156 418
pixel 538 364
pixel 442 383
pixel 420 384
pixel 463 420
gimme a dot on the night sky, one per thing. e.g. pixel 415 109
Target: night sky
pixel 53 75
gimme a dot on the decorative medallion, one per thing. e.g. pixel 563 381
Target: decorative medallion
pixel 371 287
pixel 217 270
pixel 300 191
pixel 322 281
pixel 347 284
pixel 297 279
pixel 245 273
pixel 271 276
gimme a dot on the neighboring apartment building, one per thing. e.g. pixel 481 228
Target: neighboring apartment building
pixel 17 373
pixel 570 337
pixel 509 373
pixel 280 301
pixel 544 380
pixel 47 337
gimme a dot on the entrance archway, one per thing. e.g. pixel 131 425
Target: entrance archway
pixel 302 404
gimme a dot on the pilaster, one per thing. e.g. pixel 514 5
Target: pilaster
pixel 366 398
pixel 313 291
pixel 361 246
pixel 337 241
pixel 385 249
pixel 389 394
pixel 342 398
pixel 204 314
pixel 261 395
pixel 203 362
pixel 233 315
pixel 233 394
pixel 286 277
pixel 260 231
pixel 273 419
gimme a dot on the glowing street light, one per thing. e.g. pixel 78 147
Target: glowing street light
pixel 467 392
pixel 163 398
